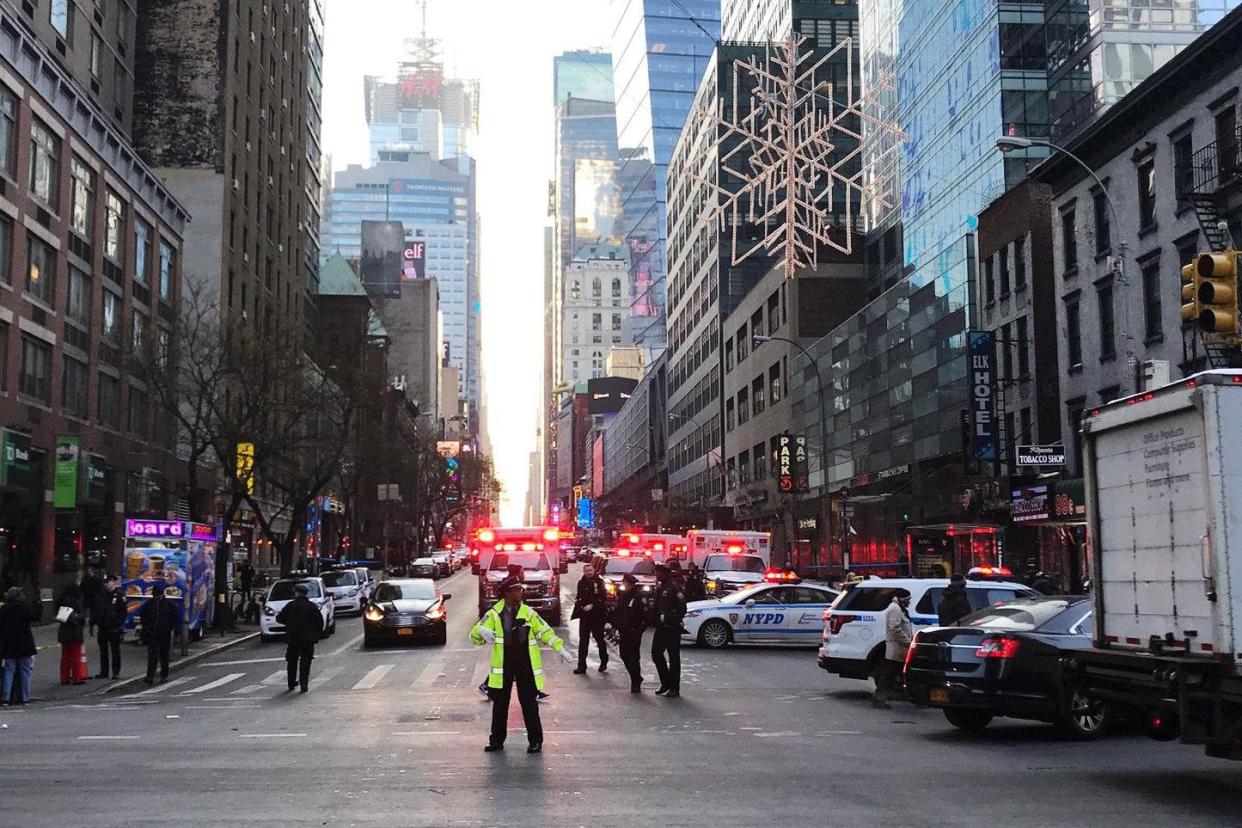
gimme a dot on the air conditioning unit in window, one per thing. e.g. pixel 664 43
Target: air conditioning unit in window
pixel 236 185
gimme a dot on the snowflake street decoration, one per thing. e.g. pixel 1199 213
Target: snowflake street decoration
pixel 791 150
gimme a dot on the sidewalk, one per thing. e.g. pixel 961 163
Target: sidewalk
pixel 45 683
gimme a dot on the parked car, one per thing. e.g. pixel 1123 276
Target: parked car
pixel 853 629
pixel 366 579
pixel 444 559
pixel 346 592
pixel 406 610
pixel 424 568
pixel 1009 660
pixel 281 593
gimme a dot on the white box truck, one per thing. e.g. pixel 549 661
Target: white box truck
pixel 1163 475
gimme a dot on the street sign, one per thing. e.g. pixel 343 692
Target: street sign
pixel 657 495
pixel 802 467
pixel 791 463
pixel 1043 456
pixel 982 346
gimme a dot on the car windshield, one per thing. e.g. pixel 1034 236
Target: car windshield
pixel 527 560
pixel 424 562
pixel 635 566
pixel 742 595
pixel 396 590
pixel 283 590
pixel 340 579
pixel 1023 614
pixel 734 563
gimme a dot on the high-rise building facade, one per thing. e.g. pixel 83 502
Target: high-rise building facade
pixel 582 74
pixel 435 203
pixel 594 312
pixel 705 285
pixel 420 109
pixel 660 52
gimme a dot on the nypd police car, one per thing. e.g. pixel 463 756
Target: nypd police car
pixel 768 613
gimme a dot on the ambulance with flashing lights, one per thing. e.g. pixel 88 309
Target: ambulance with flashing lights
pixel 536 550
pixel 661 548
pixel 729 560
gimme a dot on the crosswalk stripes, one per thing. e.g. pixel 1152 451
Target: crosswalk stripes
pixel 429 675
pixel 275 678
pixel 325 676
pixel 247 690
pixel 373 677
pixel 212 685
pixel 163 688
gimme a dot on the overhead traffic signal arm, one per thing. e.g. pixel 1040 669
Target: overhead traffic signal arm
pixel 1216 291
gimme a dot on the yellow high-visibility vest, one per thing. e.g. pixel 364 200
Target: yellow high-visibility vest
pixel 540 633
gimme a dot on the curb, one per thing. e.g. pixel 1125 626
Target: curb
pixel 179 663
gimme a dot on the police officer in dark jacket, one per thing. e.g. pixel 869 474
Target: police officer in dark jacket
pixel 696 583
pixel 303 625
pixel 954 605
pixel 591 612
pixel 110 623
pixel 160 618
pixel 628 619
pixel 670 609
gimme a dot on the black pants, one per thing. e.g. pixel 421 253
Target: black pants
pixel 631 642
pixel 158 649
pixel 298 660
pixel 589 628
pixel 667 643
pixel 524 677
pixel 110 652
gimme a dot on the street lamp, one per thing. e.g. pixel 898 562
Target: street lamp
pixel 1008 143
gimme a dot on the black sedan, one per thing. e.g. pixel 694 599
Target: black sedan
pixel 1008 660
pixel 406 610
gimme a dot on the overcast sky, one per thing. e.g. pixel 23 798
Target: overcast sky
pixel 509 47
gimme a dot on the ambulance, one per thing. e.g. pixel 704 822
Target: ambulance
pixel 730 560
pixel 660 548
pixel 535 551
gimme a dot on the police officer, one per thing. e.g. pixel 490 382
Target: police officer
pixel 160 619
pixel 110 623
pixel 670 609
pixel 590 610
pixel 303 625
pixel 629 617
pixel 696 584
pixel 515 632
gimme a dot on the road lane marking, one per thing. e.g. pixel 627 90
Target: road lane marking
pixel 373 677
pixel 353 642
pixel 269 735
pixel 325 676
pixel 247 690
pixel 220 706
pixel 212 685
pixel 103 738
pixel 426 733
pixel 429 674
pixel 276 678
pixel 242 661
pixel 177 682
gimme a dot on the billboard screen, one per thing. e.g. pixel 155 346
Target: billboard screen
pixel 606 395
pixel 420 90
pixel 414 261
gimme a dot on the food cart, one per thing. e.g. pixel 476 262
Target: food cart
pixel 179 554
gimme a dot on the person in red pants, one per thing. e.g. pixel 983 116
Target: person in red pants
pixel 71 616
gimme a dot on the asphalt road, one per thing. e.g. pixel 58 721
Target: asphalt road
pixel 395 737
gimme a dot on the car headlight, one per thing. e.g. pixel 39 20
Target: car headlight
pixel 646 587
pixel 269 611
pixel 435 614
pixel 374 614
pixel 611 587
pixel 711 584
pixel 693 614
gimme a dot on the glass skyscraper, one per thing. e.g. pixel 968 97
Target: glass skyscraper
pixel 581 74
pixel 660 51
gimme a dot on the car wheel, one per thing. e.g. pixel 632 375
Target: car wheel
pixel 1085 718
pixel 968 721
pixel 442 637
pixel 367 643
pixel 714 634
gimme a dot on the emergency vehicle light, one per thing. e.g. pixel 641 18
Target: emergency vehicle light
pixel 734 548
pixel 631 539
pixel 551 534
pixel 486 536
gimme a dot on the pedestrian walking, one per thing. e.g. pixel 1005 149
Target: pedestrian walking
pixel 71 633
pixel 669 610
pixel 161 619
pixel 954 604
pixel 17 648
pixel 696 583
pixel 111 627
pixel 591 611
pixel 245 576
pixel 628 619
pixel 515 632
pixel 897 636
pixel 303 625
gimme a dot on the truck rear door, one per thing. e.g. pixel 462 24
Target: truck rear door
pixel 1151 515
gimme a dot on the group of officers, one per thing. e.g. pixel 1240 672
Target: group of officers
pixel 515 632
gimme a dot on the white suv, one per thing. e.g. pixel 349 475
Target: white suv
pixel 282 592
pixel 853 639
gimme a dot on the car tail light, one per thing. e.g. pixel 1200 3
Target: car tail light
pixel 910 653
pixel 1001 646
pixel 836 622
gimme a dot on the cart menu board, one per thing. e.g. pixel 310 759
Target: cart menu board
pixel 145 567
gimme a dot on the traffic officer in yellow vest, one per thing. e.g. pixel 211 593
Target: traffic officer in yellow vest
pixel 515 632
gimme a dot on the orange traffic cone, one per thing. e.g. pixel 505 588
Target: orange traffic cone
pixel 84 667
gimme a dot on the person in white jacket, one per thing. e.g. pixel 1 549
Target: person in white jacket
pixel 897 636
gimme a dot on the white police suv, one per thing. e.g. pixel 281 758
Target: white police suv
pixel 767 613
pixel 282 592
pixel 853 627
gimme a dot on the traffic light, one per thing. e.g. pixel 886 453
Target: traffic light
pixel 1217 292
pixel 1190 292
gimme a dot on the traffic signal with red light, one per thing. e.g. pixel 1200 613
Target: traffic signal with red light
pixel 1217 292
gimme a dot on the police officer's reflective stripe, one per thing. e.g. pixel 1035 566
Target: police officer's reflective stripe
pixel 500 671
pixel 538 672
pixel 500 639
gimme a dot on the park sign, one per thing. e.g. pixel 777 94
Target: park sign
pixel 791 463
